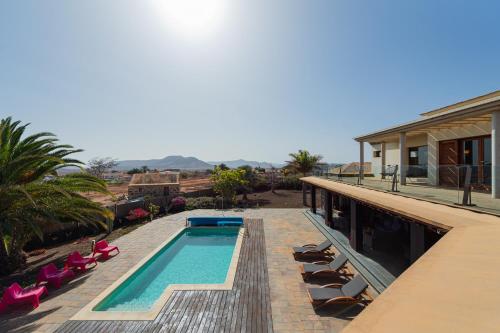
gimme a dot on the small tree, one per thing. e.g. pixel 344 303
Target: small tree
pixel 153 210
pixel 222 166
pixel 134 171
pixel 226 182
pixel 144 169
pixel 98 166
pixel 250 178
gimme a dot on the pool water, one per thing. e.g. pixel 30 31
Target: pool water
pixel 196 256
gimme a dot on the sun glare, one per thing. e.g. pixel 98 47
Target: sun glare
pixel 193 18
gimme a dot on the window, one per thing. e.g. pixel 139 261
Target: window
pixel 417 161
pixel 377 153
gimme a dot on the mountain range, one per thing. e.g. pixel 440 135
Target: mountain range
pixel 187 163
pixel 253 164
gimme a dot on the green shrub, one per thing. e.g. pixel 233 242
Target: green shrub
pixel 290 183
pixel 261 184
pixel 200 203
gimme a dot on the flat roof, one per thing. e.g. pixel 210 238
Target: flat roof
pixel 476 106
pixel 454 286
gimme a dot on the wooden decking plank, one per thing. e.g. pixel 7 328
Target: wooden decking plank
pixel 194 311
pixel 166 313
pixel 220 311
pixel 207 320
pixel 180 311
pixel 202 311
pixel 190 310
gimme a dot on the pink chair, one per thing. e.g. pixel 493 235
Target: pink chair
pixel 75 260
pixel 15 294
pixel 54 276
pixel 104 248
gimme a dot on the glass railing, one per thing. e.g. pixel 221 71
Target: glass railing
pixel 466 185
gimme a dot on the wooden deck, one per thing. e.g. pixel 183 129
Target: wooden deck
pixel 245 308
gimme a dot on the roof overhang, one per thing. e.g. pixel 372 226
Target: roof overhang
pixel 464 114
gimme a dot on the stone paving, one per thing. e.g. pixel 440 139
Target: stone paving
pixel 284 228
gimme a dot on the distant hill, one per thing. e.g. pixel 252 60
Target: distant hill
pixel 253 164
pixel 169 162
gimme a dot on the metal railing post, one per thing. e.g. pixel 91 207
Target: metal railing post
pixel 395 179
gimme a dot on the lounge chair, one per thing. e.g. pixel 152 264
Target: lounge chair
pixel 104 249
pixel 75 260
pixel 54 276
pixel 15 294
pixel 313 250
pixel 325 268
pixel 337 293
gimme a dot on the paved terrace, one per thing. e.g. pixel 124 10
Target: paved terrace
pixel 453 287
pixel 290 307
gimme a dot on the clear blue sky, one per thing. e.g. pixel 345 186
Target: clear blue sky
pixel 256 80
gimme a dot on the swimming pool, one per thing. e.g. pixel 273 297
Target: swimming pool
pixel 195 258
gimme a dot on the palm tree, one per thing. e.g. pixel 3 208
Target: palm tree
pixel 303 162
pixel 33 196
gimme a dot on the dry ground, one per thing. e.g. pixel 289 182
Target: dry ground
pixel 278 199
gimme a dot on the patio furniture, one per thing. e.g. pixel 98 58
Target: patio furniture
pixel 104 249
pixel 313 250
pixel 137 214
pixel 324 268
pixel 54 276
pixel 15 294
pixel 75 260
pixel 337 293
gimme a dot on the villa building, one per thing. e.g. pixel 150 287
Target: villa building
pixel 418 244
pixel 442 145
pixel 154 184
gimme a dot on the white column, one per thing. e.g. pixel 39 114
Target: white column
pixel 382 158
pixel 432 160
pixel 495 154
pixel 403 158
pixel 361 158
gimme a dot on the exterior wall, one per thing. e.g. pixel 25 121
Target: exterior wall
pixel 376 161
pixel 137 191
pixel 466 131
pixel 392 151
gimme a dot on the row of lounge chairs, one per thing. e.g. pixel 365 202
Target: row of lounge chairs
pixel 50 275
pixel 350 293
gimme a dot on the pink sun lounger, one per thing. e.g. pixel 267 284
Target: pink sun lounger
pixel 54 276
pixel 104 248
pixel 75 260
pixel 15 294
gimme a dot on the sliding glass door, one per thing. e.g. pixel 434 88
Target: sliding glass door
pixel 476 154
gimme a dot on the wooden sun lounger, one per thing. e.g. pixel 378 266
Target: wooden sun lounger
pixel 337 293
pixel 313 250
pixel 325 268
